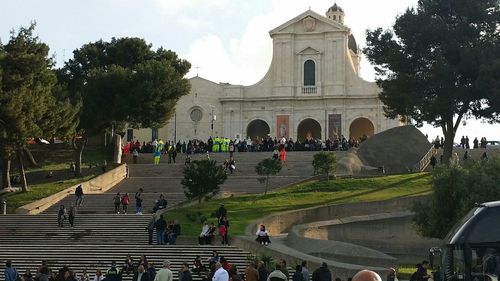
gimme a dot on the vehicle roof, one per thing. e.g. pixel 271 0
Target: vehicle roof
pixel 491 204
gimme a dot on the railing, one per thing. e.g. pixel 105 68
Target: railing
pixel 424 162
pixel 309 90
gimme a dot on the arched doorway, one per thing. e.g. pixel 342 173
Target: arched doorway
pixel 258 128
pixel 308 128
pixel 361 127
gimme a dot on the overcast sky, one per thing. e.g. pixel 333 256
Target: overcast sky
pixel 227 39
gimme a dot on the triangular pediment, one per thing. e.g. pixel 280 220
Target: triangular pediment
pixel 309 21
pixel 309 51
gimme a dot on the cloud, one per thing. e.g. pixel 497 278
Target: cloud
pixel 175 6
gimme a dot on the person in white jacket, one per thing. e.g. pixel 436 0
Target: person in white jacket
pixel 220 274
pixel 262 235
pixel 165 274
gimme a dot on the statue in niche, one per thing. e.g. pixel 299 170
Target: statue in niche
pixel 283 130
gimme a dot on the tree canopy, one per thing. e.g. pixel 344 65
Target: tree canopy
pixel 325 163
pixel 267 168
pixel 440 63
pixel 125 81
pixel 201 178
pixel 121 83
pixel 33 104
pixel 456 190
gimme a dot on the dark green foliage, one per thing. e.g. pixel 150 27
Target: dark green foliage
pixel 266 168
pixel 325 163
pixel 26 86
pixel 32 104
pixel 456 190
pixel 125 82
pixel 202 178
pixel 440 63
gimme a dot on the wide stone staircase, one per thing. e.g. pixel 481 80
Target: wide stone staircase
pixel 91 257
pixel 94 242
pixel 166 179
pixel 100 236
pixel 88 229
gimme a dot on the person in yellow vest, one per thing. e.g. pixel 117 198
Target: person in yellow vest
pixel 226 144
pixel 161 145
pixel 157 155
pixel 216 144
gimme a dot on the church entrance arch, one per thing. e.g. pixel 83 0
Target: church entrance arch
pixel 258 128
pixel 361 127
pixel 307 129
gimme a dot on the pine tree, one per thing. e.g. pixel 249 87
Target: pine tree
pixel 440 63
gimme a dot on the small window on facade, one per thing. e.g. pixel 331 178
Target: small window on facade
pixel 154 134
pixel 334 17
pixel 130 134
pixel 309 73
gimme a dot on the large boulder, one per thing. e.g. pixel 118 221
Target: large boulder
pixel 397 149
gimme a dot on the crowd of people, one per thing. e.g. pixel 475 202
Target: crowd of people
pixel 464 143
pixel 166 232
pixel 214 268
pixel 223 144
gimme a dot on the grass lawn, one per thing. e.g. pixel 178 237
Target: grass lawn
pixel 55 158
pixel 244 209
pixel 40 191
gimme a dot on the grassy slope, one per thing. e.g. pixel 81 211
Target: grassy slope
pixel 55 158
pixel 242 210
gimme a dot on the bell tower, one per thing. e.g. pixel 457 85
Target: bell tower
pixel 336 13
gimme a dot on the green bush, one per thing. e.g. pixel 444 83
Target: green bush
pixel 456 190
pixel 325 163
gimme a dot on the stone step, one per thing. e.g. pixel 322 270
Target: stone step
pixel 92 257
pixel 110 229
pixel 104 203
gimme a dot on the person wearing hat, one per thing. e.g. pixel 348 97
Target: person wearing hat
pixel 322 273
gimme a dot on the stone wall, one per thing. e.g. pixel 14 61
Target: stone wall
pixel 99 184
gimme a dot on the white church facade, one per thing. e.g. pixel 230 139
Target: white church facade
pixel 312 89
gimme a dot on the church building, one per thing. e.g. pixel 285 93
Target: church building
pixel 312 89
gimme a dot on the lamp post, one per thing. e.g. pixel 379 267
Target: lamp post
pixel 213 119
pixel 175 127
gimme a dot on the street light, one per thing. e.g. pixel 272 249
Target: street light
pixel 175 127
pixel 212 121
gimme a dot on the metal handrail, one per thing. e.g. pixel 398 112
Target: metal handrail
pixel 424 162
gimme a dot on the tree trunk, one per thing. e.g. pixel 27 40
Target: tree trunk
pixel 6 173
pixel 117 155
pixel 32 160
pixel 78 146
pixel 22 174
pixel 267 184
pixel 449 129
pixel 448 147
pixel 78 161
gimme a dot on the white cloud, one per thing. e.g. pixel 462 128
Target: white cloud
pixel 175 6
